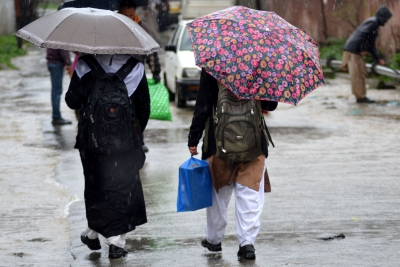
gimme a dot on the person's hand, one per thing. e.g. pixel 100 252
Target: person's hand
pixel 193 150
pixel 156 78
pixel 69 70
pixel 381 62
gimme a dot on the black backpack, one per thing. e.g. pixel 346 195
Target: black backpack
pixel 112 126
pixel 239 127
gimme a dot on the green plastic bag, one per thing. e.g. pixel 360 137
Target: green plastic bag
pixel 159 101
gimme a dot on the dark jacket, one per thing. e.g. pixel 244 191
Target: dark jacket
pixel 206 101
pixel 364 37
pixel 79 90
pixel 58 56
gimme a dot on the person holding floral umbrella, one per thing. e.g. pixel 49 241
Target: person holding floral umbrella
pixel 249 180
pixel 258 56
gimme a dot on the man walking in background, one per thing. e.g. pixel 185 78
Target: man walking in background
pixel 57 61
pixel 359 44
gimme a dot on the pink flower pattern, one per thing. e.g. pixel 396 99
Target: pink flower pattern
pixel 257 54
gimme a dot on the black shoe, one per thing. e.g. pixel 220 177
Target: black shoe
pixel 93 244
pixel 145 149
pixel 210 246
pixel 60 121
pixel 116 252
pixel 365 100
pixel 246 252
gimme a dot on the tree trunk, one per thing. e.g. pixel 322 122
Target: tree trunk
pixel 258 5
pixel 324 26
pixel 25 13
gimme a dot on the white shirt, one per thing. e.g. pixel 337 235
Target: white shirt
pixel 132 80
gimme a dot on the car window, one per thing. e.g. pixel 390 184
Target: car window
pixel 176 36
pixel 186 44
pixel 171 39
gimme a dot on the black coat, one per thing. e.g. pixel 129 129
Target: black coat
pixel 206 101
pixel 364 37
pixel 114 199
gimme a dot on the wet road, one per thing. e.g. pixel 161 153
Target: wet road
pixel 335 169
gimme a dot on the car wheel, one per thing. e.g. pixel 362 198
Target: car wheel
pixel 180 102
pixel 171 95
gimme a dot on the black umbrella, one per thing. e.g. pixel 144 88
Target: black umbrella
pixel 100 4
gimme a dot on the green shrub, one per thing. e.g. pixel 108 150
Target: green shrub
pixel 9 50
pixel 332 49
pixel 394 63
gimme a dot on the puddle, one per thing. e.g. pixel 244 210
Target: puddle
pixel 294 134
pixel 165 136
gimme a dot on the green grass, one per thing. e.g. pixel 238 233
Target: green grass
pixel 395 62
pixel 9 50
pixel 48 6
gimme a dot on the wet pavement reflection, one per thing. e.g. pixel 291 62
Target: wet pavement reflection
pixel 334 170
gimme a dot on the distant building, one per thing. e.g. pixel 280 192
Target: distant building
pixel 7 17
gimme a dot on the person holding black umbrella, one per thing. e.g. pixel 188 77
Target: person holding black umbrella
pixel 111 159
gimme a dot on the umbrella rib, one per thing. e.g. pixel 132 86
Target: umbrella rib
pixel 115 36
pixel 39 41
pixel 75 30
pixel 135 29
pixel 95 39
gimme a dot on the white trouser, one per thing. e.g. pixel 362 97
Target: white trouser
pixel 118 240
pixel 248 207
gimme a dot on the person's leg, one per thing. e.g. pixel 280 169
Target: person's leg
pixel 248 207
pixel 90 238
pixel 217 214
pixel 56 75
pixel 118 240
pixel 358 74
pixel 117 244
pixel 91 234
pixel 345 60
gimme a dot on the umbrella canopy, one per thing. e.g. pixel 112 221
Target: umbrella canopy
pixel 100 4
pixel 89 30
pixel 257 54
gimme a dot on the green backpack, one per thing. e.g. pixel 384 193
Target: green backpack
pixel 238 127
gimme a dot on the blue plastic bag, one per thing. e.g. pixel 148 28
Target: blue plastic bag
pixel 195 186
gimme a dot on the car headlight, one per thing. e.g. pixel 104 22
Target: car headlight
pixel 191 73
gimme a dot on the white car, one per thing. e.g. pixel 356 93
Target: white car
pixel 181 75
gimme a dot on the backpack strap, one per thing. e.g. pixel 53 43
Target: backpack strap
pixel 264 126
pixel 94 65
pixel 127 68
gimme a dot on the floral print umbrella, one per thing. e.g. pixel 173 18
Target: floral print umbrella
pixel 257 54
